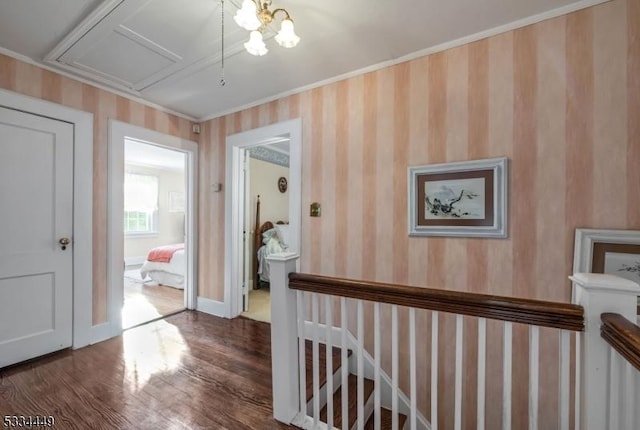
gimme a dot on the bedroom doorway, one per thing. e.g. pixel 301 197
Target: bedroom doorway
pixel 152 226
pixel 243 227
pixel 266 218
pixel 154 232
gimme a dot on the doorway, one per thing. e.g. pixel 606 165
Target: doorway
pixel 154 232
pixel 152 225
pixel 239 278
pixel 266 221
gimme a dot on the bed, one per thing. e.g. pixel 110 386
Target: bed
pixel 275 239
pixel 269 239
pixel 166 265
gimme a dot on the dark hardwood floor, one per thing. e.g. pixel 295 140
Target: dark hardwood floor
pixel 190 371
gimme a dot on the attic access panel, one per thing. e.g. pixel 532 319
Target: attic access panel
pixel 133 45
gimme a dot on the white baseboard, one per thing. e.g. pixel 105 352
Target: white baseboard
pixel 101 332
pixel 212 307
pixel 134 261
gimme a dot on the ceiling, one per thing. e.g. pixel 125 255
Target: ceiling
pixel 168 52
pixel 143 154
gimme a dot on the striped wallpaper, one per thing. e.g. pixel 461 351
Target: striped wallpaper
pixel 560 98
pixel 36 82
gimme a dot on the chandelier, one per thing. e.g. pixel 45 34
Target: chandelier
pixel 255 16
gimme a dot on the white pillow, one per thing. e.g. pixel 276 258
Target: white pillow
pixel 270 234
pixel 284 234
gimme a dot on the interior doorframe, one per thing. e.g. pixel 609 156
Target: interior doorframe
pixel 235 200
pixel 115 238
pixel 82 203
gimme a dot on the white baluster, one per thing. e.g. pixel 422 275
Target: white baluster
pixel 457 425
pixel 506 376
pixel 482 369
pixel 434 370
pixel 412 368
pixel 344 363
pixel 329 359
pixel 629 405
pixel 302 352
pixel 534 352
pixel 578 378
pixel 614 391
pixel 563 378
pixel 316 359
pixel 360 366
pixel 394 367
pixel 637 383
pixel 376 372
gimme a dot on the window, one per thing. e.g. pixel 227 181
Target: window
pixel 140 204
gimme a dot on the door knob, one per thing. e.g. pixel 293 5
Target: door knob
pixel 64 242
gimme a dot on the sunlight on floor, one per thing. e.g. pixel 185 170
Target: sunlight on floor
pixel 151 350
pixel 136 310
pixel 145 301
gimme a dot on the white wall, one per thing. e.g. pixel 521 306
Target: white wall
pixel 274 205
pixel 170 224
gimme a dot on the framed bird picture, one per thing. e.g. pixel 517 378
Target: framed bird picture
pixel 459 199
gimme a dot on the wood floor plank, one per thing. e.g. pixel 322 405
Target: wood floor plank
pixel 190 371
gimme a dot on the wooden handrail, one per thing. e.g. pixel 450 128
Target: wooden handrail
pixel 623 336
pixel 535 312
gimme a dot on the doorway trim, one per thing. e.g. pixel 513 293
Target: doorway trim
pixel 235 200
pixel 115 237
pixel 82 203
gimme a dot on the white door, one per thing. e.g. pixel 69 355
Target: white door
pixel 246 236
pixel 36 219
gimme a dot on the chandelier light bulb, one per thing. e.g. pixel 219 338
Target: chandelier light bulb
pixel 287 37
pixel 256 17
pixel 247 16
pixel 255 45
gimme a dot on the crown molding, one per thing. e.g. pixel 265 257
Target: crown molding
pixel 533 19
pixel 104 8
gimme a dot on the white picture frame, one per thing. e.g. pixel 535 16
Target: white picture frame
pixel 459 199
pixel 586 239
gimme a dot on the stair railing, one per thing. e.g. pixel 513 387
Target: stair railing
pixel 610 378
pixel 305 306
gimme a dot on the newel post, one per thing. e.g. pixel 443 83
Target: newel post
pixel 284 338
pixel 598 293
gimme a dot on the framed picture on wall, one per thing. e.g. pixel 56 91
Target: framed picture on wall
pixel 460 199
pixel 616 252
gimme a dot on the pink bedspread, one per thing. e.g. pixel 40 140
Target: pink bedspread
pixel 163 254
